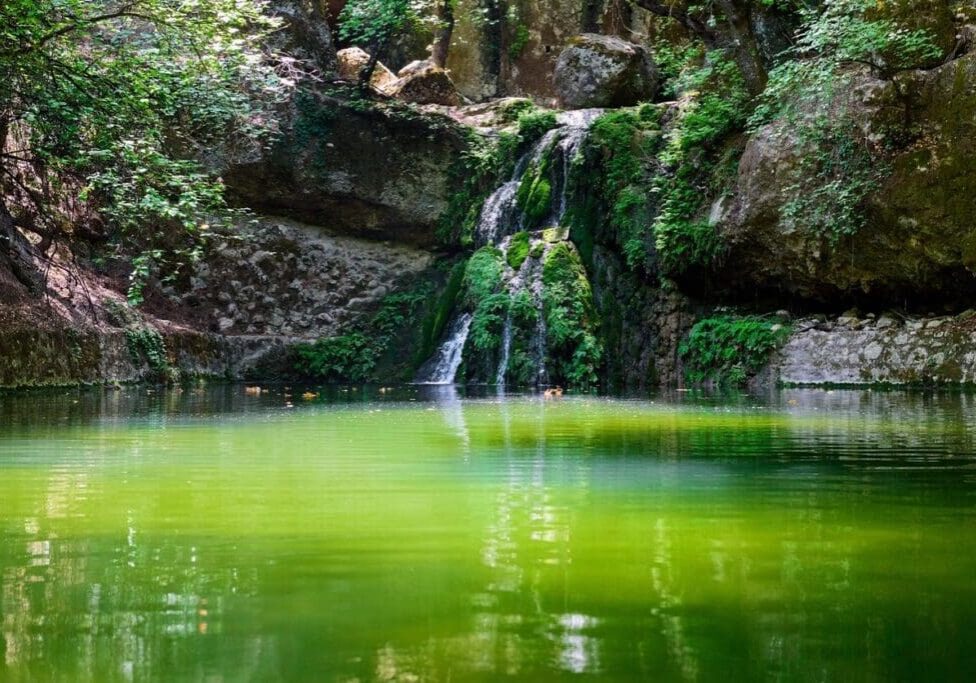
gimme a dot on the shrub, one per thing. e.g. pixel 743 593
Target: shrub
pixel 729 349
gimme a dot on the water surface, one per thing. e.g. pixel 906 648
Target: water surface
pixel 206 535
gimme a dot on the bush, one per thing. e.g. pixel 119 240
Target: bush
pixel 730 349
pixel 345 358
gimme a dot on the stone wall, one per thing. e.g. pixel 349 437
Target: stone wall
pixel 879 349
pixel 281 277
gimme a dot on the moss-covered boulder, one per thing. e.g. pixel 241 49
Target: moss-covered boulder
pixel 917 231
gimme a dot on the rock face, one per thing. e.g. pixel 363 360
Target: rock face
pixel 351 62
pixel 919 239
pixel 603 71
pixel 294 280
pixel 423 83
pixel 359 167
pixel 306 33
pixel 885 349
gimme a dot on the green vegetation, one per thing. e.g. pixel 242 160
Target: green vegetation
pixel 480 168
pixel 535 192
pixel 729 349
pixel 110 101
pixel 574 349
pixel 373 24
pixel 483 296
pixel 535 123
pixel 147 344
pixel 518 250
pixel 683 238
pixel 355 356
pixel 626 142
pixel 345 358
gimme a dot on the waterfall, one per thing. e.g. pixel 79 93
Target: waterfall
pixel 499 219
pixel 443 366
pixel 506 351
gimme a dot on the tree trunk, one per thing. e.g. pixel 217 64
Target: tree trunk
pixel 15 251
pixel 366 75
pixel 442 36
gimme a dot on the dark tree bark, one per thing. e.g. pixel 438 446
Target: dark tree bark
pixel 16 254
pixel 442 36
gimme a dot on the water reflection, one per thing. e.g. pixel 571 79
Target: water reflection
pixel 804 535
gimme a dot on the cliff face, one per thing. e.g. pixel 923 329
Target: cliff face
pixel 638 246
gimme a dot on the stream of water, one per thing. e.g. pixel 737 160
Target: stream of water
pixel 500 218
pixel 415 534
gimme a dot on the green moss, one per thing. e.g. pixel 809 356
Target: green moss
pixel 518 250
pixel 574 349
pixel 438 317
pixel 730 349
pixel 535 192
pixel 483 295
pixel 537 250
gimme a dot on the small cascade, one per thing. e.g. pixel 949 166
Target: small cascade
pixel 500 210
pixel 443 366
pixel 499 220
pixel 506 351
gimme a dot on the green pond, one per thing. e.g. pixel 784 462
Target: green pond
pixel 413 535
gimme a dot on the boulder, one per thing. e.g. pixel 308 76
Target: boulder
pixel 425 84
pixel 306 33
pixel 604 71
pixel 353 60
pixel 919 236
pixel 368 168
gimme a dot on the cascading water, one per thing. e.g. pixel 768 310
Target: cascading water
pixel 500 218
pixel 443 366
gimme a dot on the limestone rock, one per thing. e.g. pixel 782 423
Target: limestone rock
pixel 373 171
pixel 422 83
pixel 604 71
pixel 919 237
pixel 353 60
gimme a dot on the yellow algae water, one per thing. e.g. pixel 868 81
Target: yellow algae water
pixel 417 535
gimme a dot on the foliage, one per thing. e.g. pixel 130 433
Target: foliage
pixel 518 250
pixel 729 349
pixel 345 358
pixel 483 295
pixel 147 344
pixel 483 276
pixel 534 194
pixel 535 123
pixel 374 23
pixel 688 159
pixel 437 320
pixel 116 96
pixel 518 32
pixel 353 357
pixel 479 168
pixel 627 145
pixel 574 349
